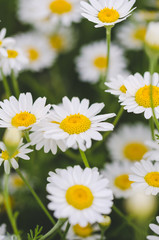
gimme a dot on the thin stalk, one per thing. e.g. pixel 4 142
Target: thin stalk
pixel 151 123
pixel 152 67
pixel 26 134
pixel 5 84
pixel 106 134
pixel 136 228
pixel 15 84
pixel 108 39
pixel 36 197
pixel 66 230
pixel 8 208
pixel 102 234
pixel 84 158
pixel 59 223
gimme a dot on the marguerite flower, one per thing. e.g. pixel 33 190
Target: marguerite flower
pixel 5 42
pixel 107 13
pixel 118 176
pixel 77 123
pixel 77 232
pixel 116 86
pixel 15 182
pixel 9 161
pixel 155 229
pixel 132 36
pixel 146 177
pixel 15 60
pixel 80 195
pixel 37 138
pixel 58 11
pixel 37 50
pixel 92 62
pixel 128 142
pixel 22 113
pixel 137 98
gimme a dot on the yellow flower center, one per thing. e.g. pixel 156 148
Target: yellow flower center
pixel 23 119
pixel 17 181
pixel 108 15
pixel 122 182
pixel 142 96
pixel 60 6
pixel 123 89
pixel 33 54
pixel 75 124
pixel 56 42
pixel 83 231
pixel 79 197
pixel 140 33
pixel 134 151
pixel 12 53
pixel 101 62
pixel 5 155
pixel 0 43
pixel 152 179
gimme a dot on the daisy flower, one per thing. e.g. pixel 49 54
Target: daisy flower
pixel 118 176
pixel 15 60
pixel 155 229
pixel 58 11
pixel 76 123
pixel 146 177
pixel 21 152
pixel 15 182
pixel 107 13
pixel 137 98
pixel 62 40
pixel 92 62
pixel 37 138
pixel 128 142
pixel 132 36
pixel 152 36
pixel 5 42
pixel 116 86
pixel 80 195
pixel 77 232
pixel 143 16
pixel 37 50
pixel 22 113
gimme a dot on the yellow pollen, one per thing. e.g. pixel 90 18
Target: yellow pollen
pixel 101 62
pixel 56 42
pixel 83 231
pixel 107 15
pixel 5 155
pixel 60 7
pixel 123 182
pixel 0 43
pixel 134 151
pixel 75 124
pixel 17 181
pixel 79 197
pixel 123 89
pixel 33 54
pixel 142 96
pixel 140 33
pixel 23 119
pixel 12 53
pixel 152 179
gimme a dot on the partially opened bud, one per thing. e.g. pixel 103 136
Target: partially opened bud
pixel 152 38
pixel 11 139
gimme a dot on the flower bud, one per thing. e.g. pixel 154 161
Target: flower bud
pixel 104 225
pixel 152 39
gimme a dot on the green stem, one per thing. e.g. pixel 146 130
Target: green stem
pixel 137 229
pixel 66 230
pixel 106 134
pixel 102 234
pixel 59 223
pixel 36 197
pixel 26 134
pixel 8 208
pixel 108 39
pixel 151 123
pixel 15 84
pixel 84 158
pixel 5 84
pixel 152 67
